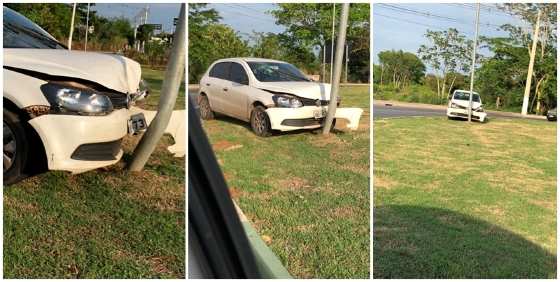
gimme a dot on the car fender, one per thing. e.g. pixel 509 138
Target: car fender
pixel 23 90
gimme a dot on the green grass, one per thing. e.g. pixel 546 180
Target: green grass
pixel 414 93
pixel 154 78
pixel 306 194
pixel 460 200
pixel 105 223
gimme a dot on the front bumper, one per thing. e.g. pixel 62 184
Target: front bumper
pixel 309 117
pixel 464 113
pixel 64 136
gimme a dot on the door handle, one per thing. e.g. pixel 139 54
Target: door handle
pixel 225 89
pixel 207 84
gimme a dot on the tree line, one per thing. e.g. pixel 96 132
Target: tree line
pixel 500 77
pixel 307 34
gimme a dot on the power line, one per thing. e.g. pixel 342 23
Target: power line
pixel 429 15
pixel 418 23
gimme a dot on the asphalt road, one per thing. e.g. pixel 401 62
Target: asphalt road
pixel 384 111
pixel 388 110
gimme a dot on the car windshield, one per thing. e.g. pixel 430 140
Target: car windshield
pixel 20 32
pixel 464 95
pixel 274 71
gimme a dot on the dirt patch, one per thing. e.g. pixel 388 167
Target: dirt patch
pixel 159 264
pixel 293 183
pixel 343 212
pixel 19 206
pixel 383 182
pixel 147 188
pixel 225 146
pixel 234 192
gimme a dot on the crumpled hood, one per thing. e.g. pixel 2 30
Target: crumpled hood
pixel 465 103
pixel 305 89
pixel 112 71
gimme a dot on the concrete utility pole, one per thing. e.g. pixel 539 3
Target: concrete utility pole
pixel 346 72
pixel 71 27
pixel 531 63
pixel 324 61
pixel 473 60
pixel 173 75
pixel 332 41
pixel 337 68
pixel 87 27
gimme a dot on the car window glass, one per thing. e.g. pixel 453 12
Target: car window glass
pixel 220 70
pixel 276 71
pixel 238 74
pixel 461 95
pixel 20 32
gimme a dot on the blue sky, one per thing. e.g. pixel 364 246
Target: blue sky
pixel 246 18
pixel 396 29
pixel 157 13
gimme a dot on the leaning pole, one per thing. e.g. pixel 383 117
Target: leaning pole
pixel 170 89
pixel 335 84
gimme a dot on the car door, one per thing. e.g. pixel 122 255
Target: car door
pixel 216 81
pixel 236 91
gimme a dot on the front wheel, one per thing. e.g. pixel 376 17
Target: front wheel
pixel 15 148
pixel 260 123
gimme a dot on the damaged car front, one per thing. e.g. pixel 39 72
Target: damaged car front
pixel 67 109
pixel 270 94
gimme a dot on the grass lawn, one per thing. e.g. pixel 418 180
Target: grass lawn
pixel 154 79
pixel 306 194
pixel 459 200
pixel 100 224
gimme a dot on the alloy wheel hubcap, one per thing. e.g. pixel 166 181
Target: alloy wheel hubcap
pixel 9 147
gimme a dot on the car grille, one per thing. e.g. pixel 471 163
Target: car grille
pixel 119 100
pixel 302 122
pixel 315 102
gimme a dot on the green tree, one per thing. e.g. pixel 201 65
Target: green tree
pixel 210 41
pixel 309 25
pixel 448 54
pixel 400 68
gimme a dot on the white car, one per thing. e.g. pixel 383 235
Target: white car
pixel 270 94
pixel 459 103
pixel 67 110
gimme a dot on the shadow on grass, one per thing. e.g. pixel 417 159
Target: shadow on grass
pixel 420 242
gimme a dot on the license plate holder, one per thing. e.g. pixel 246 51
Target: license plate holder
pixel 136 123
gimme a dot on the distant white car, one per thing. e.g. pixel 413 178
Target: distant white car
pixel 459 103
pixel 270 94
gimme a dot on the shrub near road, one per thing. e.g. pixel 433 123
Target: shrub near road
pixel 100 224
pixel 459 200
pixel 306 194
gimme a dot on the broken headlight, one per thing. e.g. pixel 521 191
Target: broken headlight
pixel 287 101
pixel 69 100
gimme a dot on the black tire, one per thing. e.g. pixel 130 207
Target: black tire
pixel 206 112
pixel 260 123
pixel 14 136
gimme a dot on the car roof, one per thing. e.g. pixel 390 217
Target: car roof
pixel 249 59
pixel 461 90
